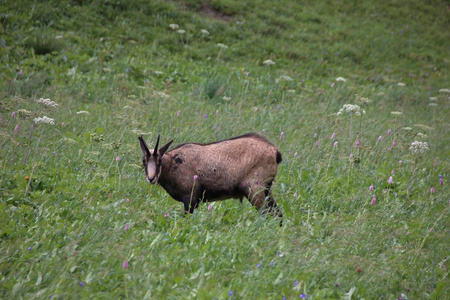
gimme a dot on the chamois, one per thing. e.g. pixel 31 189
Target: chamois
pixel 243 166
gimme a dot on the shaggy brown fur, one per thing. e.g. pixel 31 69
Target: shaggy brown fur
pixel 243 166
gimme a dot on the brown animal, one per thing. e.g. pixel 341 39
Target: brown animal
pixel 243 166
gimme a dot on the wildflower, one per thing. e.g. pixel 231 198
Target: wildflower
pixel 341 79
pixel 166 215
pixel 433 98
pixel 80 151
pixel 444 91
pixel 291 91
pixel 351 109
pixel 389 131
pixel 44 120
pixel 295 195
pixel 63 124
pixel 285 77
pixel 407 128
pixel 389 149
pixel 421 135
pixel 258 265
pixel 117 158
pixel 209 207
pixel 399 163
pixel 432 104
pixel 271 263
pixel 16 129
pixel 316 143
pixel 380 138
pixel 295 154
pixel 435 163
pixel 335 144
pixel 391 180
pixel 230 293
pixel 222 46
pixel 47 102
pixel 362 100
pixel 394 143
pixel 74 129
pixel 247 74
pixel 281 135
pixel 178 113
pixel 13 114
pixel 418 147
pixel 373 200
pixel 82 112
pixel 125 264
pixel 295 283
pixel 21 72
pixel 226 98
pixel 217 112
pixel 302 296
pixel 431 229
pixel 204 32
pixel 255 109
pixel 206 116
pixel 181 31
pixel 371 187
pixel 350 156
pixel 358 144
pixel 128 200
pixel 333 135
pixel 268 62
pixel 315 135
pixel 29 248
pixel 195 177
pixel 440 180
pixel 174 26
pixel 432 190
pixel 81 284
pixel 127 226
pixel 393 171
pixel 401 84
pixel 158 73
pixel 332 84
pixel 396 113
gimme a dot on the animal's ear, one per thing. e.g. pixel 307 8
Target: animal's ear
pixel 144 147
pixel 164 148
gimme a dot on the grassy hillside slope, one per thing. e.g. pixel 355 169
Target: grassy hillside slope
pixel 366 207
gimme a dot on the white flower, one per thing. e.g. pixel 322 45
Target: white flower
pixel 444 91
pixel 158 73
pixel 82 112
pixel 204 32
pixel 342 79
pixel 226 98
pixel 401 84
pixel 268 62
pixel 362 100
pixel 396 113
pixel 47 102
pixel 44 120
pixel 433 98
pixel 285 77
pixel 350 109
pixel 174 26
pixel 421 135
pixel 181 31
pixel 407 128
pixel 222 46
pixel 291 91
pixel 432 104
pixel 58 37
pixel 418 147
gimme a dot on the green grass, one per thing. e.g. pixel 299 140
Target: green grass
pixel 74 203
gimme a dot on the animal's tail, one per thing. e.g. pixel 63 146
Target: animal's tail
pixel 279 157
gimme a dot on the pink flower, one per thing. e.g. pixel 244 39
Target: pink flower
pixel 358 145
pixel 389 131
pixel 333 135
pixel 380 138
pixel 371 187
pixel 13 114
pixel 117 158
pixel 62 124
pixel 295 195
pixel 281 135
pixel 80 151
pixel 335 144
pixel 432 190
pixel 21 72
pixel 178 113
pixel 195 177
pixel 16 129
pixel 350 156
pixel 431 229
pixel 243 70
pixel 389 149
pixel 296 154
pixel 217 112
pixel 255 109
pixel 315 135
pixel 373 200
pixel 440 180
pixel 332 85
pixel 391 180
pixel 246 74
pixel 128 200
pixel 127 226
pixel 399 163
pixel 209 207
pixel 316 143
pixel 166 215
pixel 435 163
pixel 125 264
pixel 393 171
pixel 394 143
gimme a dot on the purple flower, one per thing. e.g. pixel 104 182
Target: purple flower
pixel 117 158
pixel 209 207
pixel 440 180
pixel 393 171
pixel 394 143
pixel 358 144
pixel 371 187
pixel 255 109
pixel 316 143
pixel 271 263
pixel 350 156
pixel 281 135
pixel 258 265
pixel 431 229
pixel 295 195
pixel 16 129
pixel 81 284
pixel 80 151
pixel 333 135
pixel 127 226
pixel 178 113
pixel 125 264
pixel 380 138
pixel 389 149
pixel 13 114
pixel 21 72
pixel 295 283
pixel 373 200
pixel 432 190
pixel 435 163
pixel 195 177
pixel 230 293
pixel 391 180
pixel 62 124
pixel 217 112
pixel 315 135
pixel 206 116
pixel 389 131
pixel 29 248
pixel 335 144
pixel 166 215
pixel 302 296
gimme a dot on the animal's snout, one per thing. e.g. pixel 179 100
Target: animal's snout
pixel 151 179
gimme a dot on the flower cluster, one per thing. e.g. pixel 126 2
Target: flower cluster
pixel 350 109
pixel 341 79
pixel 362 100
pixel 174 26
pixel 418 147
pixel 47 102
pixel 268 62
pixel 222 46
pixel 44 120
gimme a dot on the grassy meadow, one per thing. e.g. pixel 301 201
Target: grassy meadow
pixel 363 189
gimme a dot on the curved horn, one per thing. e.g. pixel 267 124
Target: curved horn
pixel 156 146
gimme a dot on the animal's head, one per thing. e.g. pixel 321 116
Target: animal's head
pixel 152 159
